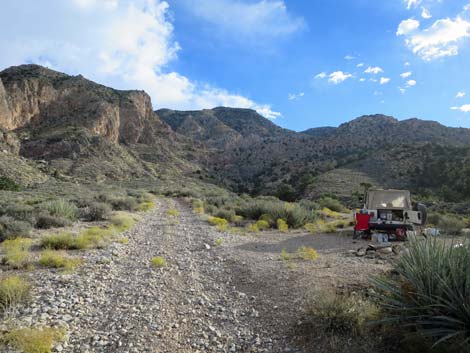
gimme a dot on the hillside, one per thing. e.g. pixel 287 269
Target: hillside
pixel 56 124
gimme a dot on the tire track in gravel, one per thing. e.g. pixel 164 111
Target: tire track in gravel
pixel 118 302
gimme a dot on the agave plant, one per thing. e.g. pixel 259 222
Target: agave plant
pixel 430 291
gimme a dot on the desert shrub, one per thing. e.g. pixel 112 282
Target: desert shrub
pixel 262 224
pixel 342 314
pixel 46 221
pixel 122 222
pixel 327 213
pixel 59 241
pixel 33 340
pixel 20 212
pixel 330 203
pixel 61 208
pixel 342 223
pixel 96 211
pixel 123 240
pixel 237 220
pixel 173 212
pixel 17 252
pixel 158 261
pixel 57 259
pixel 225 214
pixel 13 291
pixel 197 205
pixel 8 184
pixel 252 227
pixel 307 253
pixel 11 228
pixel 309 205
pixel 124 203
pixel 146 206
pixel 282 225
pixel 218 241
pixel 267 218
pixel 450 224
pixel 429 291
pixel 220 223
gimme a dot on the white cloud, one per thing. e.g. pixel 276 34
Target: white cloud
pixel 412 3
pixel 466 7
pixel 362 79
pixel 406 74
pixel 460 95
pixel 402 90
pixel 425 13
pixel 338 77
pixel 360 65
pixel 373 70
pixel 464 108
pixel 321 75
pixel 246 19
pixel 407 64
pixel 441 39
pixel 407 26
pixel 373 80
pixel 411 83
pixel 295 96
pixel 127 45
pixel 384 80
pixel 349 57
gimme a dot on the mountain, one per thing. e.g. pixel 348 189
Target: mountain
pixel 57 125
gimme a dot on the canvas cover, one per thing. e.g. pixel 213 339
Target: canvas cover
pixel 380 199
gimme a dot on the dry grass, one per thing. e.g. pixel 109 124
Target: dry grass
pixel 33 340
pixel 17 252
pixel 13 291
pixel 158 261
pixel 58 259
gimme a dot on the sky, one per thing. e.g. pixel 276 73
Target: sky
pixel 300 63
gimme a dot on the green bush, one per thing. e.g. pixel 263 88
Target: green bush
pixel 13 291
pixel 124 204
pixel 225 214
pixel 33 340
pixel 61 208
pixel 20 212
pixel 96 211
pixel 59 241
pixel 11 228
pixel 8 184
pixel 430 292
pixel 282 225
pixel 158 261
pixel 332 204
pixel 262 225
pixel 46 221
pixel 56 259
pixel 220 223
pixel 17 252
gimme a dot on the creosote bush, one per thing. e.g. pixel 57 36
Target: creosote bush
pixel 331 204
pixel 220 223
pixel 33 340
pixel 17 252
pixel 96 211
pixel 430 291
pixel 282 225
pixel 158 261
pixel 8 184
pixel 46 221
pixel 58 259
pixel 13 291
pixel 262 225
pixel 11 228
pixel 122 221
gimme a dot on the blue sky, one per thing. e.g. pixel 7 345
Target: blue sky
pixel 301 63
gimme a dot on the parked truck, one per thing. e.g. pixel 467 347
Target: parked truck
pixel 391 212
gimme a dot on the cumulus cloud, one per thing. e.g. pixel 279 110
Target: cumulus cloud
pixel 362 79
pixel 384 80
pixel 411 83
pixel 295 96
pixel 360 65
pixel 460 95
pixel 406 74
pixel 320 75
pixel 349 57
pixel 402 90
pixel 125 44
pixel 463 108
pixel 338 77
pixel 441 39
pixel 246 19
pixel 373 70
pixel 407 26
pixel 425 13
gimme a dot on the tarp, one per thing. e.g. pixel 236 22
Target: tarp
pixel 378 199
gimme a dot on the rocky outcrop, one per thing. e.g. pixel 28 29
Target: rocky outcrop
pixel 42 100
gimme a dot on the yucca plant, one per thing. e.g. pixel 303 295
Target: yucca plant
pixel 430 292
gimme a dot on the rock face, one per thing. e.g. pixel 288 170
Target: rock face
pixel 41 99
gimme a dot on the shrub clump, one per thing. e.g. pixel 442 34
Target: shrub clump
pixel 220 223
pixel 146 206
pixel 282 225
pixel 20 212
pixel 59 241
pixel 33 340
pixel 332 204
pixel 158 261
pixel 61 208
pixel 47 221
pixel 96 211
pixel 13 291
pixel 307 253
pixel 172 212
pixel 262 225
pixel 11 228
pixel 124 204
pixel 430 291
pixel 56 259
pixel 17 252
pixel 8 184
pixel 122 222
